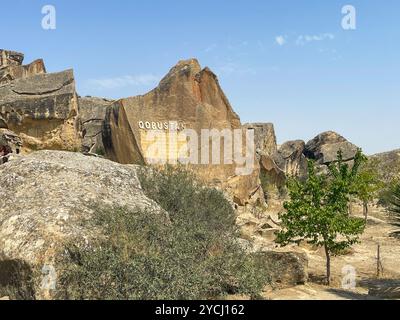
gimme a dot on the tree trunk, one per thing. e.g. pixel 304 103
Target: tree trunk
pixel 328 266
pixel 365 211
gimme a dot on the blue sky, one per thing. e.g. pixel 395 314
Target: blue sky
pixel 282 61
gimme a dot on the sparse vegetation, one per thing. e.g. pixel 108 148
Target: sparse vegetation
pixel 317 211
pixel 395 204
pixel 189 253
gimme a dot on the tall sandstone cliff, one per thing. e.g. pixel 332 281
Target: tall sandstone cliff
pixel 191 98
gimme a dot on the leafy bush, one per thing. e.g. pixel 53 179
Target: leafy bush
pixel 190 254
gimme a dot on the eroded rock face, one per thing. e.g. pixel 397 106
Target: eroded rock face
pixel 10 143
pixel 45 198
pixel 9 58
pixel 265 138
pixel 188 97
pixel 13 72
pixel 290 158
pixel 324 148
pixel 42 110
pixel 92 112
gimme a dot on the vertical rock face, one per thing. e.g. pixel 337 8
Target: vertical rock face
pixel 290 158
pixel 42 110
pixel 188 97
pixel 10 143
pixel 265 138
pixel 92 112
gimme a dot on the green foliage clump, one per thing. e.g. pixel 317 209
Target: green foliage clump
pixel 317 211
pixel 395 203
pixel 190 252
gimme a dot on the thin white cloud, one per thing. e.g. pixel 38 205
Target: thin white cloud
pixel 210 48
pixel 280 40
pixel 231 68
pixel 304 39
pixel 124 81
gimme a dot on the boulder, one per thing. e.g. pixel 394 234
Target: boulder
pixel 188 97
pixel 42 110
pixel 287 268
pixel 92 112
pixel 324 148
pixel 290 158
pixel 265 138
pixel 45 199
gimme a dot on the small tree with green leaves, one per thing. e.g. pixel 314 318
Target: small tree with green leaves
pixel 395 203
pixel 317 211
pixel 366 187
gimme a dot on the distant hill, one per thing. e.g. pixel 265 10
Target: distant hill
pixel 388 164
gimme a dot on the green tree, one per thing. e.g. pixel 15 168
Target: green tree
pixel 395 203
pixel 317 211
pixel 366 186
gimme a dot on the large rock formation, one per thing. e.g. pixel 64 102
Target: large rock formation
pixel 188 97
pixel 11 67
pixel 42 110
pixel 290 158
pixel 324 148
pixel 92 112
pixel 45 198
pixel 264 136
pixel 10 58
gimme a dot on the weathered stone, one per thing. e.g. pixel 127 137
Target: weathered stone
pixel 45 199
pixel 9 58
pixel 10 143
pixel 265 138
pixel 13 72
pixel 290 158
pixel 92 112
pixel 324 148
pixel 42 110
pixel 191 98
pixel 287 268
pixel 271 172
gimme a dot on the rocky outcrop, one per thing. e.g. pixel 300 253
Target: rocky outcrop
pixel 188 97
pixel 287 268
pixel 387 165
pixel 264 136
pixel 10 144
pixel 290 158
pixel 10 58
pixel 271 172
pixel 42 110
pixel 92 112
pixel 13 72
pixel 324 148
pixel 11 67
pixel 45 198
